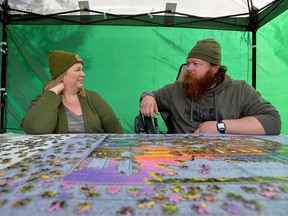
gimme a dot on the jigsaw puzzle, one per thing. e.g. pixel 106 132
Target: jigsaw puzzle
pixel 181 159
pixel 144 175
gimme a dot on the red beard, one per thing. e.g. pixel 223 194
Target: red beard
pixel 194 87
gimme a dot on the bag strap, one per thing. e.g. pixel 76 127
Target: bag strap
pixel 149 127
pixel 145 124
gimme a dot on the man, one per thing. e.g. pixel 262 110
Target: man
pixel 209 101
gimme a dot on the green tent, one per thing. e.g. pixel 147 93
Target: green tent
pixel 128 48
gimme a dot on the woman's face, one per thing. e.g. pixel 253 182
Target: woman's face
pixel 74 76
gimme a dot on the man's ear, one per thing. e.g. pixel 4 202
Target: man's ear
pixel 215 68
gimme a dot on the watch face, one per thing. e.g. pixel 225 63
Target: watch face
pixel 221 126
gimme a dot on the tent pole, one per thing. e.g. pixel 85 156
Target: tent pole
pixel 4 19
pixel 254 59
pixel 253 11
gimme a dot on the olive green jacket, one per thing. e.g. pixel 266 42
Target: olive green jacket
pixel 46 115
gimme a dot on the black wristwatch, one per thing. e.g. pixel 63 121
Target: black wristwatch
pixel 221 126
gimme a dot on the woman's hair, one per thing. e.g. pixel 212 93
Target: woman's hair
pixel 58 80
pixel 220 74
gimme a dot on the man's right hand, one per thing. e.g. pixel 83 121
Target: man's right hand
pixel 148 106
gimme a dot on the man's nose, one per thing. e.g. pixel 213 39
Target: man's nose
pixel 189 67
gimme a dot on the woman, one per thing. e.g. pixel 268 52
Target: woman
pixel 65 106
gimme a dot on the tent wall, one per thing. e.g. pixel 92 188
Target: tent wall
pixel 272 65
pixel 120 62
pixel 123 60
pixel 1 38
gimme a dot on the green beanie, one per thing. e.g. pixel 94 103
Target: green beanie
pixel 208 50
pixel 60 61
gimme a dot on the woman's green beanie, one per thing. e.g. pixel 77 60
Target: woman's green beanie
pixel 60 61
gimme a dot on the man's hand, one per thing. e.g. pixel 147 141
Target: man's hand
pixel 245 125
pixel 148 106
pixel 207 127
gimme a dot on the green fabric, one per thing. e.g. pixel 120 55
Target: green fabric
pixel 46 115
pixel 123 61
pixel 233 99
pixel 60 61
pixel 120 62
pixel 272 67
pixel 208 50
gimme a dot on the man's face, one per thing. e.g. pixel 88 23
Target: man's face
pixel 199 78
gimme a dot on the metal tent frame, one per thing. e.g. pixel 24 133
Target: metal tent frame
pixel 252 21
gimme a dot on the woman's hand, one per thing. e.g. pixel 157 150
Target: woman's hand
pixel 58 88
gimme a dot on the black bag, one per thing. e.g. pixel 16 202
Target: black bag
pixel 145 124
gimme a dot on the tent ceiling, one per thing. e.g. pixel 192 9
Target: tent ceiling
pixel 202 8
pixel 238 15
